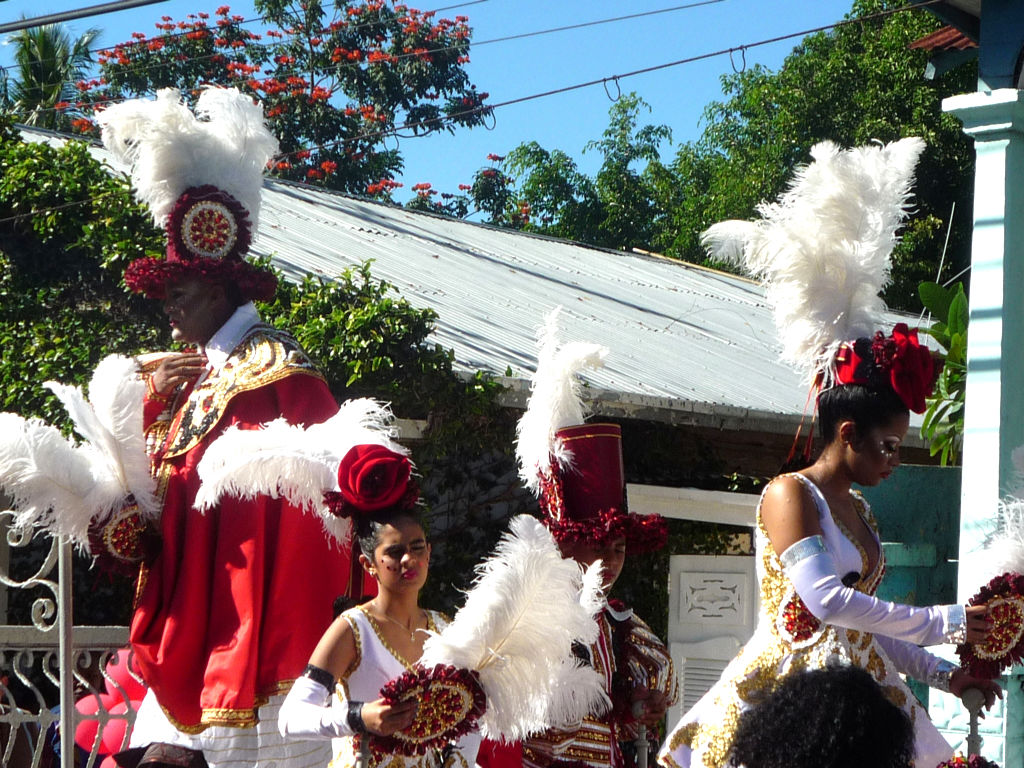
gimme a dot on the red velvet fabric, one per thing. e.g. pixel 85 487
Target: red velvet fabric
pixel 230 610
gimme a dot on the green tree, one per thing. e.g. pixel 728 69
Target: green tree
pixel 543 191
pixel 335 79
pixel 48 62
pixel 855 84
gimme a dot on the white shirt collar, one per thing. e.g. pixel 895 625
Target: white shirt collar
pixel 227 337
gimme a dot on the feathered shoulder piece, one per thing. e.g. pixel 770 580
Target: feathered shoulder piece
pixel 225 144
pixel 68 487
pixel 554 402
pixel 823 248
pixel 349 465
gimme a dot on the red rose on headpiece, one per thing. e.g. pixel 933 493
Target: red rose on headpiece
pixel 912 370
pixel 373 477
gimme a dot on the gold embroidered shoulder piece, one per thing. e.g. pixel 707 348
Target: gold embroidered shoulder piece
pixel 264 356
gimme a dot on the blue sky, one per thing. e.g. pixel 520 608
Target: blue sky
pixel 518 68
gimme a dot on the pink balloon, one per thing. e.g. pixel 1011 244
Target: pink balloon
pixel 85 732
pixel 127 687
pixel 114 730
pixel 108 762
pixel 90 704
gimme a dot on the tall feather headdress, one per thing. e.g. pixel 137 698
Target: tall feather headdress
pixel 201 176
pixel 68 487
pixel 823 248
pixel 576 468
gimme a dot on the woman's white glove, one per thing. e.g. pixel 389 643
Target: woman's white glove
pixel 812 570
pixel 309 712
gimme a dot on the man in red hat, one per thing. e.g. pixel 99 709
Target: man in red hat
pixel 231 601
pixel 576 469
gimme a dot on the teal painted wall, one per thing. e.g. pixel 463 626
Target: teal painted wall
pixel 918 512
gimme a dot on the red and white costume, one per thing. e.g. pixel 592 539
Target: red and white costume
pixel 229 610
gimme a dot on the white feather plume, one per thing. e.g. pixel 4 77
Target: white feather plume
pixel 54 483
pixel 116 392
pixel 516 630
pixel 823 248
pixel 298 463
pixel 226 143
pixel 554 402
pixel 63 486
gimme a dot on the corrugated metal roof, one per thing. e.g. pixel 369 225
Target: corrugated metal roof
pixel 676 331
pixel 681 337
pixel 945 39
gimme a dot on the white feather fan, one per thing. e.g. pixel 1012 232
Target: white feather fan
pixel 823 249
pixel 226 143
pixel 300 464
pixel 63 486
pixel 554 403
pixel 516 630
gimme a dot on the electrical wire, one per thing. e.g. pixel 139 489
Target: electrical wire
pixel 278 74
pixel 232 23
pixel 566 89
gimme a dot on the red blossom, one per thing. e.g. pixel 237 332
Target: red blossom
pixel 465 187
pixel 495 158
pixel 329 166
pixel 313 173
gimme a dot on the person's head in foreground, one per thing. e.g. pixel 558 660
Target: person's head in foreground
pixel 836 717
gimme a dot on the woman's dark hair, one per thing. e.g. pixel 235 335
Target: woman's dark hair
pixel 837 717
pixel 368 530
pixel 865 406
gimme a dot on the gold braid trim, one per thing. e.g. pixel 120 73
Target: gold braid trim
pixel 264 356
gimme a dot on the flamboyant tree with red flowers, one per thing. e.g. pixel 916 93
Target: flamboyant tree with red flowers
pixel 337 80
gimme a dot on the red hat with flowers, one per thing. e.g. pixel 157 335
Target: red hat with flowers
pixel 201 176
pixel 576 468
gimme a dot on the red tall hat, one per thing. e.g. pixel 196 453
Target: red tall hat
pixel 201 176
pixel 576 469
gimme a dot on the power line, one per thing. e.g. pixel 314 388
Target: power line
pixel 615 78
pixel 396 57
pixel 232 23
pixel 565 89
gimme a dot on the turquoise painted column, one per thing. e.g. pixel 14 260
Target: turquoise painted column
pixel 994 413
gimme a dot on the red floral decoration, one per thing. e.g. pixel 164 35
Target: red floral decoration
pixel 372 477
pixel 897 360
pixel 643 533
pixel 974 761
pixel 1004 647
pixel 451 700
pixel 797 623
pixel 912 369
pixel 150 276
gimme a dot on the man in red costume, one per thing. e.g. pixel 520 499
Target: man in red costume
pixel 231 601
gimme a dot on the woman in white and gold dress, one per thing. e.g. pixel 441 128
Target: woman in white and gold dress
pixel 366 647
pixel 819 562
pixel 822 249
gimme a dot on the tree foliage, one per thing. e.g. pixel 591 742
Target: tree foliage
pixel 48 62
pixel 855 84
pixel 336 80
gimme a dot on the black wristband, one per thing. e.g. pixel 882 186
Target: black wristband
pixel 319 675
pixel 355 717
